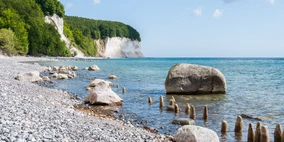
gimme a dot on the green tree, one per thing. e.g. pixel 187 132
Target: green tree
pixel 8 42
pixel 10 19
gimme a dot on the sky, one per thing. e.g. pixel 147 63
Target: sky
pixel 195 28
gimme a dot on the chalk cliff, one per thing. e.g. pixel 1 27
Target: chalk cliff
pixel 117 47
pixel 58 23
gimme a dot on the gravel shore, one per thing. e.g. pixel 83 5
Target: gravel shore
pixel 30 112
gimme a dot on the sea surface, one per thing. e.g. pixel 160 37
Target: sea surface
pixel 255 86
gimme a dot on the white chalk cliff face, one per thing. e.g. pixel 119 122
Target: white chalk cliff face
pixel 59 25
pixel 117 47
pixel 114 47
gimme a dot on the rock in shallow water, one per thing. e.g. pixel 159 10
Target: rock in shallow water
pixel 183 121
pixel 194 79
pixel 103 95
pixel 191 133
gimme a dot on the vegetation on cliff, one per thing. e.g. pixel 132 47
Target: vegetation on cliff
pixel 23 29
pixel 25 19
pixel 82 30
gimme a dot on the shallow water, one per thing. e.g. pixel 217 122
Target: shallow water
pixel 255 86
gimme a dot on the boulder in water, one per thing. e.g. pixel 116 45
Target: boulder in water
pixel 93 68
pixel 102 94
pixel 194 79
pixel 192 133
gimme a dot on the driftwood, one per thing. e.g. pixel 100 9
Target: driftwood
pixel 255 117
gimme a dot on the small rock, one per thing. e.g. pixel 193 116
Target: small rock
pixel 183 121
pixel 112 77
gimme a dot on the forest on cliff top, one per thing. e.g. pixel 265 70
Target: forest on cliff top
pixel 23 30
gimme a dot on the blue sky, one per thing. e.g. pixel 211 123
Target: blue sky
pixel 195 28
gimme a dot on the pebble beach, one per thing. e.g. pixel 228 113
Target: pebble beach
pixel 30 112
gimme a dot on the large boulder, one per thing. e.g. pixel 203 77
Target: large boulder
pixel 103 95
pixel 194 79
pixel 192 133
pixel 29 76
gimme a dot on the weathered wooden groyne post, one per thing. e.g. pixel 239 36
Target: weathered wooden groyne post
pixel 239 125
pixel 264 134
pixel 282 136
pixel 205 113
pixel 278 133
pixel 257 132
pixel 250 133
pixel 192 112
pixel 224 127
pixel 173 98
pixel 161 101
pixel 187 108
pixel 123 90
pixel 150 100
pixel 171 102
pixel 176 108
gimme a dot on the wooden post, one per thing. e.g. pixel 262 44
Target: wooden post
pixel 171 102
pixel 224 127
pixel 149 100
pixel 187 109
pixel 257 132
pixel 264 134
pixel 161 101
pixel 192 112
pixel 176 110
pixel 123 90
pixel 250 133
pixel 173 98
pixel 205 113
pixel 277 133
pixel 282 139
pixel 239 125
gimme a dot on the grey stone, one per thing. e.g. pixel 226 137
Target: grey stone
pixel 183 121
pixel 194 79
pixel 103 95
pixel 192 133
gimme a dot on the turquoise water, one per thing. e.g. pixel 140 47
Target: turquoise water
pixel 255 86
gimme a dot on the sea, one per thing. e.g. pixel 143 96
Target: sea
pixel 255 86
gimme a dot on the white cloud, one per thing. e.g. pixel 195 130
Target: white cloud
pixel 96 2
pixel 197 11
pixel 69 5
pixel 271 1
pixel 217 14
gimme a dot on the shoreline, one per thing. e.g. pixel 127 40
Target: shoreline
pixel 31 112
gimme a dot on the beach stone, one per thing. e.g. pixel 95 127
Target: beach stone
pixel 54 75
pixel 62 76
pixel 93 68
pixel 55 68
pixel 75 68
pixel 112 77
pixel 183 121
pixel 192 133
pixel 95 82
pixel 45 78
pixel 194 79
pixel 29 76
pixel 102 94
